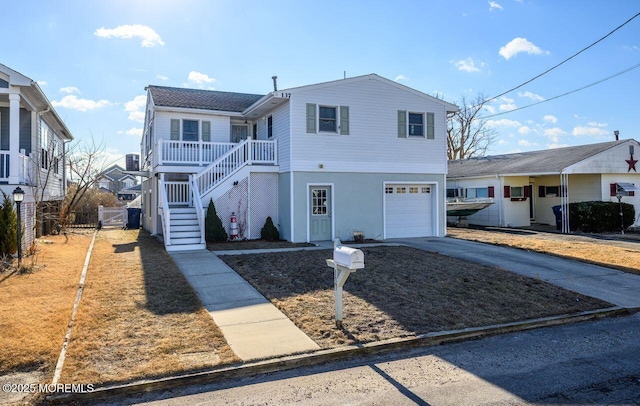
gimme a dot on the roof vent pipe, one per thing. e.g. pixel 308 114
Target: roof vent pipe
pixel 275 83
pixel 616 133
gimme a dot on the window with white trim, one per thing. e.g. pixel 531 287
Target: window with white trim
pixel 426 189
pixel 416 125
pixel 517 191
pixel 388 190
pixel 401 190
pixel 413 190
pixel 190 130
pixel 477 192
pixel 327 119
pixel 270 127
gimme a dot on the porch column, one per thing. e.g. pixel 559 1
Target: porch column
pixel 14 138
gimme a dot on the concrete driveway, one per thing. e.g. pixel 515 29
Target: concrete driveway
pixel 611 285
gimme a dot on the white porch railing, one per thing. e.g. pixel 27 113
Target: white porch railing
pixel 24 167
pixel 193 153
pixel 246 153
pixel 4 166
pixel 178 193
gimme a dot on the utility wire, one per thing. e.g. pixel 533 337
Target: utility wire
pixel 567 93
pixel 566 60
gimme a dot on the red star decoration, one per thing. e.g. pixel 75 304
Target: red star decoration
pixel 632 164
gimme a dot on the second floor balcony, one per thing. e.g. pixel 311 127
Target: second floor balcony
pixel 201 153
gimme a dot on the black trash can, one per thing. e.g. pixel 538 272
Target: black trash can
pixel 557 211
pixel 133 218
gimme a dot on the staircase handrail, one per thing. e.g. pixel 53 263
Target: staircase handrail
pixel 197 202
pixel 166 213
pixel 224 159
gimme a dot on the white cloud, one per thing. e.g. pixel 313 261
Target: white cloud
pixel 532 96
pixel 550 119
pixel 134 131
pixel 596 124
pixel 136 107
pixel 161 77
pixel 489 108
pixel 467 65
pixel 525 143
pixel 401 77
pixel 74 103
pixel 494 6
pixel 524 130
pixel 508 104
pixel 200 78
pixel 42 82
pixel 630 47
pixel 70 90
pixel 554 134
pixel 589 131
pixel 518 45
pixel 556 145
pixel 149 37
pixel 503 123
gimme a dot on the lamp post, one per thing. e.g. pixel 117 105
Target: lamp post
pixel 18 197
pixel 619 196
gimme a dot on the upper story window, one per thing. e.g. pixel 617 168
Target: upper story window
pixel 270 127
pixel 327 122
pixel 327 119
pixel 416 125
pixel 190 130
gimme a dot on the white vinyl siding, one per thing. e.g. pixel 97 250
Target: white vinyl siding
pixel 373 144
pixel 219 127
pixel 280 118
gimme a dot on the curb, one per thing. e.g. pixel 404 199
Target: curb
pixel 323 356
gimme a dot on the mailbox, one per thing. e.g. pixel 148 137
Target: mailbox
pixel 349 258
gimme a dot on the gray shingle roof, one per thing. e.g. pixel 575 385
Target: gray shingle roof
pixel 202 99
pixel 545 161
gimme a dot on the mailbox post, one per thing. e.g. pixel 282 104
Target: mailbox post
pixel 345 260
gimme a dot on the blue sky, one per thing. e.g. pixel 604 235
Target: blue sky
pixel 94 58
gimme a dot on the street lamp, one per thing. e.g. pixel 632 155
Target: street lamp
pixel 619 191
pixel 18 197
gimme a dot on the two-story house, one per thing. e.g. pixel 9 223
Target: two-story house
pixel 323 161
pixel 32 146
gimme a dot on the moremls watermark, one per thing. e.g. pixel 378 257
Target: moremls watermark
pixel 50 388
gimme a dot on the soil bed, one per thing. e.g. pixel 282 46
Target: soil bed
pixel 253 245
pixel 401 292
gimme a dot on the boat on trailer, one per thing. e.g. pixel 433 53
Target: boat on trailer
pixel 459 207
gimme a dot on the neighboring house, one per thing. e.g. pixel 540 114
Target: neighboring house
pixel 527 185
pixel 32 146
pixel 360 154
pixel 114 179
pixel 129 193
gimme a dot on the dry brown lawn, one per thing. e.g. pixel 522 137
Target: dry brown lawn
pixel 253 245
pixel 139 317
pixel 35 307
pixel 591 250
pixel 401 292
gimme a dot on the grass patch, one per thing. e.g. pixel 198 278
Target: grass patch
pixel 139 317
pixel 401 292
pixel 581 248
pixel 36 306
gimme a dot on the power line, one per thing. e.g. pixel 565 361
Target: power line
pixel 567 93
pixel 561 63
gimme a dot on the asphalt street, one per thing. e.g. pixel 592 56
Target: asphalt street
pixel 591 363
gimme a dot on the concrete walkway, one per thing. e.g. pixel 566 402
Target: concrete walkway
pixel 616 287
pixel 253 327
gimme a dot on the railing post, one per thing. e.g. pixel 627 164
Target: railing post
pixel 100 213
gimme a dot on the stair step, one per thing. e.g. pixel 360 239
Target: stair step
pixel 182 210
pixel 185 227
pixel 186 247
pixel 183 216
pixel 185 234
pixel 184 241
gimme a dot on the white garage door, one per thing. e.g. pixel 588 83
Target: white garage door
pixel 408 210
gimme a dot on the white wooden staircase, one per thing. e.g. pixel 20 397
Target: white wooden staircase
pixel 181 207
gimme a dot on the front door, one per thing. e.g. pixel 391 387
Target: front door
pixel 239 133
pixel 320 213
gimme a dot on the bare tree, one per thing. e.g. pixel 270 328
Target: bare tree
pixel 85 162
pixel 467 132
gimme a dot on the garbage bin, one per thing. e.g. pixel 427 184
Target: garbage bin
pixel 557 211
pixel 133 218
